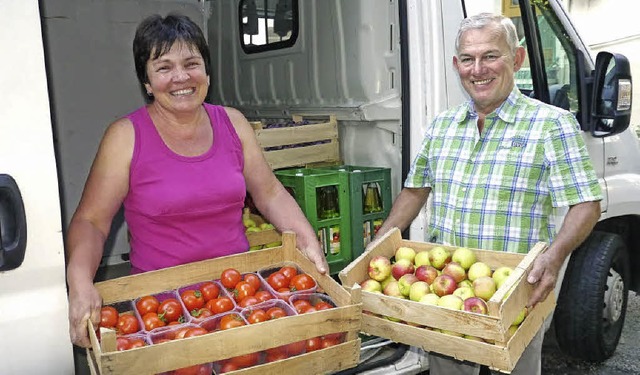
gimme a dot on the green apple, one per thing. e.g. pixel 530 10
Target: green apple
pixel 266 226
pixel 421 259
pixel 371 285
pixel 273 244
pixel 404 252
pixel 464 292
pixel 252 229
pixel 465 284
pixel 477 270
pixel 430 299
pixel 418 290
pixel 484 287
pixel 451 302
pixel 501 274
pixel 439 257
pixel 464 256
pixel 520 318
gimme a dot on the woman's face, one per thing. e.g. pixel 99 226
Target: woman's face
pixel 178 79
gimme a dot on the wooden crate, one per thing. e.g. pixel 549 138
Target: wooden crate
pixel 302 154
pixel 346 317
pixel 499 351
pixel 264 236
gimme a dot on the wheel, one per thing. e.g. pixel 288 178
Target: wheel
pixel 591 307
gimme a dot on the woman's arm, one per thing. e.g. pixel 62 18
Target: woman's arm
pixel 104 191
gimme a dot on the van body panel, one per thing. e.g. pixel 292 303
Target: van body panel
pixel 34 327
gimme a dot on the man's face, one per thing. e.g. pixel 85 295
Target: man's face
pixel 486 67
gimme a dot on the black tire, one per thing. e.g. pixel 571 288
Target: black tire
pixel 591 308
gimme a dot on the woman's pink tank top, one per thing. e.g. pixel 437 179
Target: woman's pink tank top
pixel 184 209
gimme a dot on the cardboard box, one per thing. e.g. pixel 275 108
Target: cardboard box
pixel 346 317
pixel 500 350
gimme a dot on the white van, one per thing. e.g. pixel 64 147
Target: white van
pixel 383 67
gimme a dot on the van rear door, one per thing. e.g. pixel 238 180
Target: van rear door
pixel 34 328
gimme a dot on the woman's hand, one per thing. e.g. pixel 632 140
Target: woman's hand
pixel 84 304
pixel 311 249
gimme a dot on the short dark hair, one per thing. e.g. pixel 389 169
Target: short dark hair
pixel 156 35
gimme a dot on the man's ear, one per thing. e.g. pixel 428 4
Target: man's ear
pixel 455 62
pixel 518 60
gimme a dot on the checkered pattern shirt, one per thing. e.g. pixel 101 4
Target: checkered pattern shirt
pixel 496 190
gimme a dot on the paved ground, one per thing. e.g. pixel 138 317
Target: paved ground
pixel 626 359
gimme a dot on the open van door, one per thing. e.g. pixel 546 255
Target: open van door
pixel 34 333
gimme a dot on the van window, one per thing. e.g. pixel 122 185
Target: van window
pixel 268 24
pixel 556 50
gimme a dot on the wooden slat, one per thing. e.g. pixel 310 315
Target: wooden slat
pixel 326 152
pixel 297 134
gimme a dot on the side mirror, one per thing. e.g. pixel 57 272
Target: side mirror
pixel 611 100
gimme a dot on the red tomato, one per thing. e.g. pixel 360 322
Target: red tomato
pixel 249 301
pixel 136 343
pixel 300 305
pixel 231 321
pixel 334 336
pixel 296 348
pixel 192 299
pixel 323 305
pixel 258 316
pixel 246 360
pixel 179 333
pixel 151 321
pixel 242 290
pixel 220 305
pixel 201 313
pixel 127 323
pixel 263 295
pixel 275 356
pixel 253 279
pixel 277 280
pixel 307 309
pixel 193 370
pixel 302 281
pixel 276 312
pixel 147 304
pixel 209 290
pixel 108 317
pixel 313 344
pixel 228 367
pixel 170 310
pixel 195 331
pixel 122 343
pixel 230 277
pixel 277 351
pixel 327 342
pixel 289 272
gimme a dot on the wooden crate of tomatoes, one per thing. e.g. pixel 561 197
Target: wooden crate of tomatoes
pixel 265 310
pixel 465 303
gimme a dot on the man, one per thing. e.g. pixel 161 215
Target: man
pixel 498 165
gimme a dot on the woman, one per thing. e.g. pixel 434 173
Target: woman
pixel 180 167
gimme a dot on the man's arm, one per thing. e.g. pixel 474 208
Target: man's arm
pixel 577 225
pixel 405 208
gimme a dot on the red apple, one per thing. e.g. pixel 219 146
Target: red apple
pixel 455 270
pixel 426 273
pixel 401 267
pixel 476 305
pixel 444 285
pixel 379 267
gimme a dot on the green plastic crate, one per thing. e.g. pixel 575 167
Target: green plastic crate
pixel 364 220
pixel 306 186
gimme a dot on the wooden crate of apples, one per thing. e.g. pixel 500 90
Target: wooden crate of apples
pixel 466 303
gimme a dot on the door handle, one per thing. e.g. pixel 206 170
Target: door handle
pixel 13 225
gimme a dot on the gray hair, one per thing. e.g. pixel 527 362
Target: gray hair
pixel 482 20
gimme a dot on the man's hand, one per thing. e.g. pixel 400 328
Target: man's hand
pixel 543 276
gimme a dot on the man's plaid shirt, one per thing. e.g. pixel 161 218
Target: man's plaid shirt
pixel 497 190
